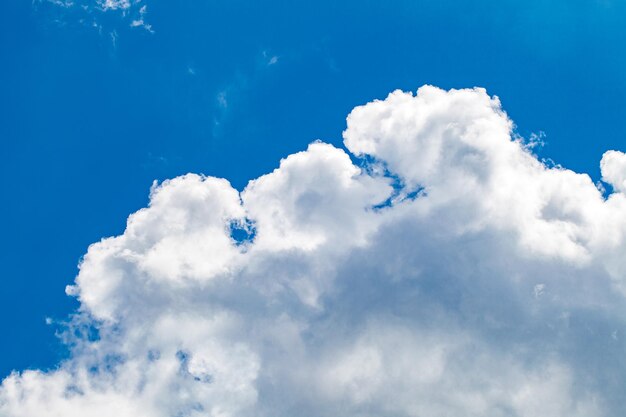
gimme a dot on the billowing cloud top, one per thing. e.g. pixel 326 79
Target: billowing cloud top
pixel 448 273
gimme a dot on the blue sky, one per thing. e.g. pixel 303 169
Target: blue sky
pixel 93 110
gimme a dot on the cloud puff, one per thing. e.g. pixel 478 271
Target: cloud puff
pixel 440 270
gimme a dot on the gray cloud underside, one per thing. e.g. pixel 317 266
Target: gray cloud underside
pixel 450 274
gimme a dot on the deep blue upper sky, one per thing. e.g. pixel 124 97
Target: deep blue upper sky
pixel 89 117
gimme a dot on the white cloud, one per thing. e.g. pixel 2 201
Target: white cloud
pixel 613 167
pixel 132 12
pixel 114 4
pixel 496 290
pixel 140 20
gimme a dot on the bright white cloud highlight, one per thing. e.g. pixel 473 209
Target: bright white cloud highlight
pixel 449 273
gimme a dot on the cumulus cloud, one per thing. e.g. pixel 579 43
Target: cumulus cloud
pixel 436 269
pixel 613 166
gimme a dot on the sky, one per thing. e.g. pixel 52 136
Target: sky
pixel 450 223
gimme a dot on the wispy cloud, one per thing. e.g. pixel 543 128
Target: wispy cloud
pixel 232 92
pixel 140 21
pixel 90 12
pixel 269 58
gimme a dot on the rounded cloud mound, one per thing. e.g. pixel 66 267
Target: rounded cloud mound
pixel 449 272
pixel 613 167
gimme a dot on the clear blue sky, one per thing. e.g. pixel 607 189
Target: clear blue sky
pixel 90 116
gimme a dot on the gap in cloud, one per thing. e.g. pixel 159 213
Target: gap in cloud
pixel 242 232
pixel 400 191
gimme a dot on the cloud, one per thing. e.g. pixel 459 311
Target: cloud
pixel 139 21
pixel 613 167
pixel 92 12
pixel 440 269
pixel 269 58
pixel 232 93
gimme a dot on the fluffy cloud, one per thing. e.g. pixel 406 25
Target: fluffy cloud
pixel 445 272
